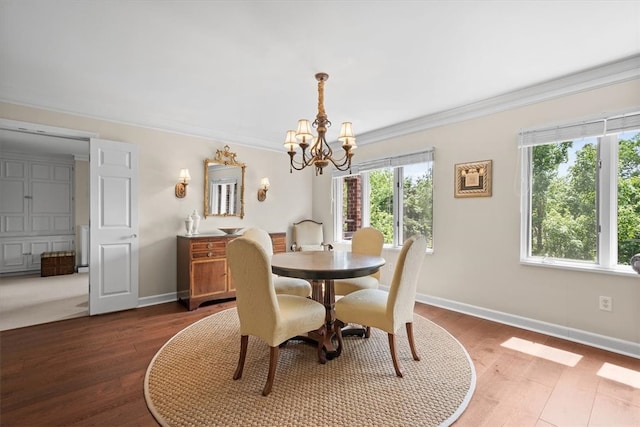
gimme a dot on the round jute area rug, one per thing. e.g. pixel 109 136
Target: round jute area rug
pixel 189 381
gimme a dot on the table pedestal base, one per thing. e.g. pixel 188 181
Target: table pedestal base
pixel 330 351
pixel 323 292
pixel 321 268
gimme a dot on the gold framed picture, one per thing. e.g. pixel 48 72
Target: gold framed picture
pixel 473 179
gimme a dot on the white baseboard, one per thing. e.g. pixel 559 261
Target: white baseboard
pixel 615 345
pixel 157 299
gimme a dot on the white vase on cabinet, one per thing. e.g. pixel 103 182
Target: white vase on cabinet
pixel 188 225
pixel 196 222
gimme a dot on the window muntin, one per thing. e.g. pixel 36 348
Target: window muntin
pixel 581 196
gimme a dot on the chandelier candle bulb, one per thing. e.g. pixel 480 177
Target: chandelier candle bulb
pixel 346 132
pixel 304 131
pixel 291 143
pixel 320 154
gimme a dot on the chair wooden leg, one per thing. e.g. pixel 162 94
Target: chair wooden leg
pixel 337 329
pixel 244 341
pixel 412 342
pixel 273 363
pixel 394 357
pixel 322 357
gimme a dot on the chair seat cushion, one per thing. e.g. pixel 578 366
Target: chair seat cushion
pixel 311 247
pixel 291 286
pixel 347 286
pixel 366 307
pixel 298 315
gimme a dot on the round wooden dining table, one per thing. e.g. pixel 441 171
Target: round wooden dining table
pixel 321 268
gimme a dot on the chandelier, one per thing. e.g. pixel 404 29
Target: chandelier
pixel 315 149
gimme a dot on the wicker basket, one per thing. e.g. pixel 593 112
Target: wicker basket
pixel 57 263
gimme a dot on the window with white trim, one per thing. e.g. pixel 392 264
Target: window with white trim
pixel 394 195
pixel 581 193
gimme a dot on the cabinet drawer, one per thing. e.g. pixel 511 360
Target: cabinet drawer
pixel 207 254
pixel 218 248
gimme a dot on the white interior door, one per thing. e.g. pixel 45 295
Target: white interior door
pixel 113 248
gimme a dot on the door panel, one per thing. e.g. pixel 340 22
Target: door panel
pixel 115 259
pixel 113 271
pixel 209 277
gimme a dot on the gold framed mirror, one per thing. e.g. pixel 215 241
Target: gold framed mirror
pixel 224 185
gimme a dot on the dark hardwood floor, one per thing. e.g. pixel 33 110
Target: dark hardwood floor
pixel 90 371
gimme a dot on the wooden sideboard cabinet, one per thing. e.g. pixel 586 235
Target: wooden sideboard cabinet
pixel 279 241
pixel 203 273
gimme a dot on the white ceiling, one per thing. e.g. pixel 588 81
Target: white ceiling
pixel 243 71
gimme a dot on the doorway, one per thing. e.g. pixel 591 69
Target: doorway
pixel 26 298
pixel 112 212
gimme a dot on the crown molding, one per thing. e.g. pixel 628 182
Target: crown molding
pixel 40 129
pixel 592 78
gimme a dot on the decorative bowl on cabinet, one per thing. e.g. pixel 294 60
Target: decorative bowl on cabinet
pixel 230 230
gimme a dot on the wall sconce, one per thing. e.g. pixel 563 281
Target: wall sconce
pixel 262 191
pixel 181 186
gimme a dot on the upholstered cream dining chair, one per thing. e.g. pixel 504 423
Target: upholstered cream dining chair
pixel 270 317
pixel 388 311
pixel 282 285
pixel 367 241
pixel 308 235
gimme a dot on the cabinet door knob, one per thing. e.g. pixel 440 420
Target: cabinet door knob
pixel 209 254
pixel 209 245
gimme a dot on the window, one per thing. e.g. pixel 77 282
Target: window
pixel 581 193
pixel 393 195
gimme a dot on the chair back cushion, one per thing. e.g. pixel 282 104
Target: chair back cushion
pixel 368 241
pixel 308 234
pixel 260 236
pixel 402 292
pixel 255 296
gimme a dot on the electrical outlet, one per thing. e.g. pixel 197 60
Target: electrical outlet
pixel 606 303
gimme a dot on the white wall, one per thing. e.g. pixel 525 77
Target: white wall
pixel 162 215
pixel 476 240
